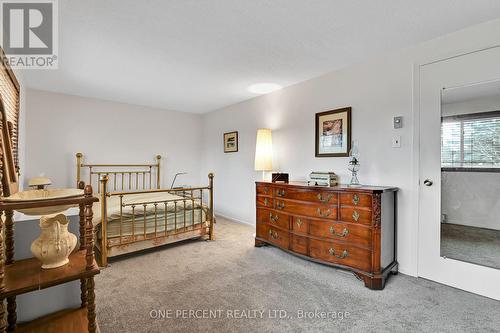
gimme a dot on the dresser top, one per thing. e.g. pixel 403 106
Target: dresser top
pixel 341 187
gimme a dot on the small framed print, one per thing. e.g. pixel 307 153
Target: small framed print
pixel 231 142
pixel 333 133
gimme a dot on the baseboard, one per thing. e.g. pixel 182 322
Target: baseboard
pixel 454 222
pixel 234 219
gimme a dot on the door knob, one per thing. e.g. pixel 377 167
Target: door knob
pixel 428 182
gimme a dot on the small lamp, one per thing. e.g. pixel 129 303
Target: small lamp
pixel 354 164
pixel 264 151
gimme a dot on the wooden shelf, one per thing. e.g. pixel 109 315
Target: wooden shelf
pixel 27 275
pixel 69 320
pixel 23 276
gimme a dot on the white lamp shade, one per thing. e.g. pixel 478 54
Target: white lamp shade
pixel 264 150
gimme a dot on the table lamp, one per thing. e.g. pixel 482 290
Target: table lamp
pixel 264 151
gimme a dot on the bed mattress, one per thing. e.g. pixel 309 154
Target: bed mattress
pixel 172 212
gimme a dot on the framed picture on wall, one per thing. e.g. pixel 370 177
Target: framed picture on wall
pixel 333 133
pixel 231 142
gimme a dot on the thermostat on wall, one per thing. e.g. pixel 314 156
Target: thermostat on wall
pixel 398 122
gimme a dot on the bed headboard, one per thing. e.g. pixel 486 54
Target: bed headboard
pixel 122 177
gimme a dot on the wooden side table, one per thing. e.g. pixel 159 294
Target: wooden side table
pixel 23 276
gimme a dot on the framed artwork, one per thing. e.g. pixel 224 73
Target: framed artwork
pixel 333 133
pixel 231 142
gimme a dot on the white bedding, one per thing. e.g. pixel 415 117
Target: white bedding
pixel 179 214
pixel 113 208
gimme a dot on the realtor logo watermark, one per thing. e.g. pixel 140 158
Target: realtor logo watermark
pixel 29 35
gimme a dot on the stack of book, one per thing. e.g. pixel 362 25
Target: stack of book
pixel 317 178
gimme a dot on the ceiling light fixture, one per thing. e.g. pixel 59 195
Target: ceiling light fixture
pixel 264 88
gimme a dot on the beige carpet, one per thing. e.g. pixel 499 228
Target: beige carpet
pixel 471 244
pixel 236 280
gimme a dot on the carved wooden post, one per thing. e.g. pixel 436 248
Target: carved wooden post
pixel 9 237
pixel 83 235
pixel 91 317
pixel 81 214
pixel 89 228
pixel 3 324
pixel 211 205
pixel 83 246
pixel 9 259
pixel 89 242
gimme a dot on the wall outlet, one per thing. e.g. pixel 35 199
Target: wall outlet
pixel 396 141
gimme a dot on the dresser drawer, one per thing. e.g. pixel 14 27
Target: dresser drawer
pixel 307 209
pixel 355 234
pixel 273 218
pixel 341 254
pixel 319 197
pixel 264 202
pixel 278 237
pixel 264 189
pixel 299 224
pixel 356 199
pixel 356 215
pixel 298 244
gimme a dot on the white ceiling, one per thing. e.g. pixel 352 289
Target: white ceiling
pixel 198 56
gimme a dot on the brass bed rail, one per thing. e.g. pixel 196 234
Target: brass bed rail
pixel 184 207
pixel 123 176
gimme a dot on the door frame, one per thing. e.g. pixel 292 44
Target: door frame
pixel 415 173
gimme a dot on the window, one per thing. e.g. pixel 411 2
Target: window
pixel 9 92
pixel 471 142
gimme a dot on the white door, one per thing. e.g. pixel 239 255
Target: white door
pixel 471 69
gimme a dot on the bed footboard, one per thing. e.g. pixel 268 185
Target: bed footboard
pixel 148 223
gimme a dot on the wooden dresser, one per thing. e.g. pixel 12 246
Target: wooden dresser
pixel 352 228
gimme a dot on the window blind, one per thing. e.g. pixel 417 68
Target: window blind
pixel 471 141
pixel 9 91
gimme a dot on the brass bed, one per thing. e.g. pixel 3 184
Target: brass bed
pixel 135 213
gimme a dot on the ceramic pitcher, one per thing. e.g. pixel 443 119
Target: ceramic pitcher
pixel 55 242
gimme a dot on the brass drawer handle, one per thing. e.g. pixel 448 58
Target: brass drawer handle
pixel 342 256
pixel 280 205
pixel 355 215
pixel 273 234
pixel 299 222
pixel 266 202
pixel 325 200
pixel 266 190
pixel 280 193
pixel 324 214
pixel 355 199
pixel 273 218
pixel 344 233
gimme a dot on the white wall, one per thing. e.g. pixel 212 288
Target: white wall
pixel 484 104
pixel 377 91
pixel 58 126
pixel 471 198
